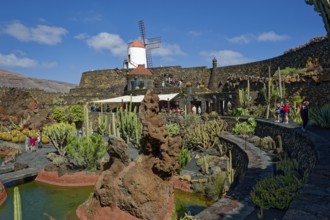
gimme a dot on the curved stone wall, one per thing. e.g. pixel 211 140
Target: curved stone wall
pixel 295 144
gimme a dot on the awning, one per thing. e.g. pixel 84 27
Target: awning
pixel 138 98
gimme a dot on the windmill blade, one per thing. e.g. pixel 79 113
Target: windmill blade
pixel 149 58
pixel 142 32
pixel 154 42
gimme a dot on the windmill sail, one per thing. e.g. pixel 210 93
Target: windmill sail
pixel 148 43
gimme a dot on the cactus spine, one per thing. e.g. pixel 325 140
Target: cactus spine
pixel 17 204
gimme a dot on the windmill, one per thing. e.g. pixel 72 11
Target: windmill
pixel 149 44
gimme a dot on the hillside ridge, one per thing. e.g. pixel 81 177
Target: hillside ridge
pixel 15 80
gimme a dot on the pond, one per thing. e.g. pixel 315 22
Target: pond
pixel 186 202
pixel 43 202
pixel 46 202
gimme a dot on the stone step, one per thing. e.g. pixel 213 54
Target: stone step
pixel 18 175
pixel 6 168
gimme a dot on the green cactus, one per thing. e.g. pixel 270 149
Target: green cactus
pixel 17 204
pixel 205 135
pixel 245 98
pixel 279 149
pixel 129 124
pixel 288 166
pixel 60 134
pixel 103 123
pixel 230 170
pixel 86 120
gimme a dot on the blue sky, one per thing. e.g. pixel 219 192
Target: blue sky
pixel 61 39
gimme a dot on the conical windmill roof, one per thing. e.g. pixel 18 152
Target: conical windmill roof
pixel 137 43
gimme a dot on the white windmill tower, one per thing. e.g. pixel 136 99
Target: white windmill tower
pixel 139 51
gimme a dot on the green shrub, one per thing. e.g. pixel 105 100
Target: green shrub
pixel 278 191
pixel 246 127
pixel 184 157
pixel 87 151
pixel 275 192
pixel 239 112
pixel 173 129
pixel 60 160
pixel 191 120
pixel 68 114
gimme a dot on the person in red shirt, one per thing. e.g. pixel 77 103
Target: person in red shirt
pixel 33 143
pixel 286 112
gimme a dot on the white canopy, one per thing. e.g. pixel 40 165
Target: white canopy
pixel 138 98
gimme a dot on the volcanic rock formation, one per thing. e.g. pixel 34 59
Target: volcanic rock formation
pixel 137 189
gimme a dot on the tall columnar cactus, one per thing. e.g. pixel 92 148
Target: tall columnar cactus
pixel 245 98
pixel 102 123
pixel 279 148
pixel 323 7
pixel 86 120
pixel 129 124
pixel 280 82
pixel 230 170
pixel 17 204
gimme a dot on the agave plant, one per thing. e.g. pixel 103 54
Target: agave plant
pixel 320 116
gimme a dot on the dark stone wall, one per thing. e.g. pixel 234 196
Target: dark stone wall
pixel 294 59
pixel 230 78
pixel 239 158
pixel 296 145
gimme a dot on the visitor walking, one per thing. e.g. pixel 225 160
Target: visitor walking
pixel 286 112
pixel 304 115
pixel 33 144
pixel 39 143
pixel 199 110
pixel 27 143
pixel 278 112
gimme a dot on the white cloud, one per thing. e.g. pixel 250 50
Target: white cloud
pixel 271 36
pixel 81 36
pixel 41 33
pixel 111 42
pixel 11 60
pixel 241 39
pixel 226 57
pixel 168 50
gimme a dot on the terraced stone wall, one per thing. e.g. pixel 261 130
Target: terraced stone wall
pixel 296 145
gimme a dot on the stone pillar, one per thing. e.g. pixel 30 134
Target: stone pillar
pixel 213 82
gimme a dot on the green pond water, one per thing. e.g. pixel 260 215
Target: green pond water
pixel 42 201
pixel 186 202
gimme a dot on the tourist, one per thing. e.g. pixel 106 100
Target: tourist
pixel 278 112
pixel 194 109
pixel 199 110
pixel 33 144
pixel 286 112
pixel 27 143
pixel 39 143
pixel 304 115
